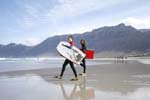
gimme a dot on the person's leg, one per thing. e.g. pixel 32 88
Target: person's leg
pixel 84 65
pixel 74 70
pixel 64 67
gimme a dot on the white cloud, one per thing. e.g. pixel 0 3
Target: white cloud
pixel 137 22
pixel 33 14
pixel 37 14
pixel 71 8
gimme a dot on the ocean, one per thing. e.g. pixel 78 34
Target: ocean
pixel 14 64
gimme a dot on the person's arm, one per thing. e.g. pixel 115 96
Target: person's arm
pixel 71 44
pixel 67 46
pixel 84 48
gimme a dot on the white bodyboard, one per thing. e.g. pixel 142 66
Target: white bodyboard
pixel 73 54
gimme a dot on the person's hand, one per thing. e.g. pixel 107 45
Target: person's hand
pixel 63 45
pixel 60 54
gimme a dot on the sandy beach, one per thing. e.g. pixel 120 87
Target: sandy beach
pixel 122 80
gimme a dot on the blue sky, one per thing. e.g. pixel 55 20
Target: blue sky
pixel 32 21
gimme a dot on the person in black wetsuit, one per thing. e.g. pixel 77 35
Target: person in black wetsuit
pixel 70 40
pixel 83 49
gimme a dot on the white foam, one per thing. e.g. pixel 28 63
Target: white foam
pixel 143 60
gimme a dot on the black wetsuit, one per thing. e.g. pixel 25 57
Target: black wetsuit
pixel 64 67
pixel 83 64
pixel 68 62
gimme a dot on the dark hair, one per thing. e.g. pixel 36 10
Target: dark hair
pixel 70 36
pixel 84 42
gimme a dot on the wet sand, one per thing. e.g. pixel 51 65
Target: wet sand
pixel 119 81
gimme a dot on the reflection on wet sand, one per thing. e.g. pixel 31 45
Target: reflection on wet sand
pixel 81 94
pixel 72 95
pixel 85 93
pixel 122 78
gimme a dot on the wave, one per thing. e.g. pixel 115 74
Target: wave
pixel 30 59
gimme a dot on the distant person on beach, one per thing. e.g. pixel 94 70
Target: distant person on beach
pixel 83 64
pixel 70 40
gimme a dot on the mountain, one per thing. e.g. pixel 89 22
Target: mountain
pixel 119 38
pixel 144 30
pixel 13 50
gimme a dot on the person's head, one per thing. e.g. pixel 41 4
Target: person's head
pixel 70 38
pixel 82 42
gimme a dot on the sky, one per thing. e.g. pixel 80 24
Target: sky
pixel 30 22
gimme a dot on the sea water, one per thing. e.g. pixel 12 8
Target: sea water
pixel 13 64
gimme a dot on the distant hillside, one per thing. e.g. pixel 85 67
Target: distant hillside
pixel 13 50
pixel 144 30
pixel 119 38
